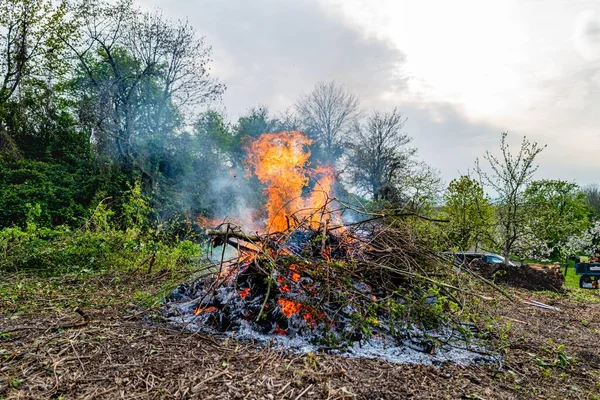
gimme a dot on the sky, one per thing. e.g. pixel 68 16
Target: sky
pixel 461 71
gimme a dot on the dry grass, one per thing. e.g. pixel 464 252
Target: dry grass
pixel 100 337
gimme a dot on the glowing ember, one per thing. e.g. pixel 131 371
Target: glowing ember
pixel 295 275
pixel 310 320
pixel 200 310
pixel 289 307
pixel 279 331
pixel 282 286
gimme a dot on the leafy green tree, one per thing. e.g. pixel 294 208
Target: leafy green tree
pixel 42 127
pixel 31 48
pixel 557 210
pixel 219 142
pixel 420 188
pixel 592 195
pixel 32 57
pixel 469 211
pixel 139 76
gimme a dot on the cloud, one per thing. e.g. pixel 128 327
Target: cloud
pixel 446 138
pixel 271 51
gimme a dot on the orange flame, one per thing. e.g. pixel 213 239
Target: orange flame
pixel 280 160
pixel 320 195
pixel 310 320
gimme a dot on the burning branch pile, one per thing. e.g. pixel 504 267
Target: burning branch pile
pixel 310 276
pixel 335 285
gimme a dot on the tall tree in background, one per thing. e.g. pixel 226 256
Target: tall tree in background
pixel 138 74
pixel 328 113
pixel 470 213
pixel 29 37
pixel 378 155
pixel 31 59
pixel 592 196
pixel 420 187
pixel 508 176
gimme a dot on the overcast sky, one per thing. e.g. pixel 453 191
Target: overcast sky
pixel 461 71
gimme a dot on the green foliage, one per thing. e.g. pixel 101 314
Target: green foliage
pixel 557 354
pixel 218 141
pixel 63 192
pixel 41 126
pixel 98 246
pixel 429 233
pixel 428 309
pixel 31 45
pixel 557 210
pixel 592 195
pixel 136 210
pixel 470 213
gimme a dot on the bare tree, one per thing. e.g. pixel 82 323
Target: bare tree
pixel 592 196
pixel 328 113
pixel 379 154
pixel 508 177
pixel 421 187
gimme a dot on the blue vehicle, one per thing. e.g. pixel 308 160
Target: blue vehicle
pixel 460 258
pixel 590 273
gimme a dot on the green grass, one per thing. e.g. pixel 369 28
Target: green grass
pixel 571 279
pixel 26 293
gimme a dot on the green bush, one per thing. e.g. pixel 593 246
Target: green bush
pixel 97 246
pixel 63 192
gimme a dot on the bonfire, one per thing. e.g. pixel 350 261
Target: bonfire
pixel 310 276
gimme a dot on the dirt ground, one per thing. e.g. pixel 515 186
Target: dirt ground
pixel 101 337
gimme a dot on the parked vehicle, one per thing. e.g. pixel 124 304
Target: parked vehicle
pixel 589 271
pixel 466 257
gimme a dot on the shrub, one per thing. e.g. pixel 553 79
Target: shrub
pixel 98 245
